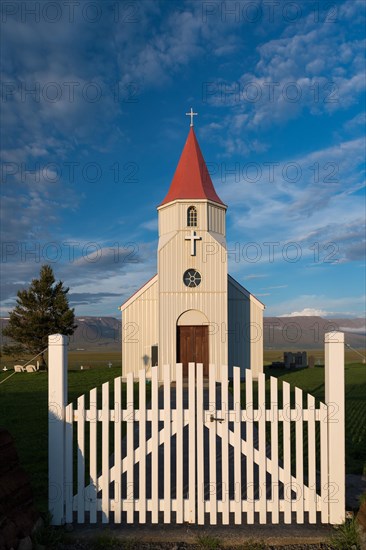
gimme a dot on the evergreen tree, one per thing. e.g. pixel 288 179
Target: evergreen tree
pixel 41 310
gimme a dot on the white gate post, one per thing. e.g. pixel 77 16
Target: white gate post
pixel 334 398
pixel 57 400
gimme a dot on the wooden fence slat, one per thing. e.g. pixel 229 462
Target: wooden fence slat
pixel 286 407
pixel 167 446
pixel 200 448
pixel 192 442
pixel 299 436
pixel 212 463
pixel 117 450
pixel 142 445
pixel 237 447
pixel 69 480
pixel 105 453
pixel 249 440
pixel 334 397
pixel 274 450
pixel 225 445
pixel 93 455
pixel 81 459
pixel 324 463
pixel 179 443
pixel 311 459
pixel 262 448
pixel 155 445
pixel 130 448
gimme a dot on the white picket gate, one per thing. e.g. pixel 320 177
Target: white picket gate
pixel 195 454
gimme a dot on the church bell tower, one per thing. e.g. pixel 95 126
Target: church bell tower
pixel 192 266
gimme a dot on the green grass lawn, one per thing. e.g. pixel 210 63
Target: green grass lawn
pixel 23 409
pixel 312 381
pixel 75 359
pixel 350 356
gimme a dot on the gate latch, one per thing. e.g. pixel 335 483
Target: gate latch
pixel 212 418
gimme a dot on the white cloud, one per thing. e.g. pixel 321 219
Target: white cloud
pixel 152 57
pixel 274 287
pixel 358 121
pixel 322 207
pixel 361 330
pixel 307 312
pixel 254 276
pixel 150 225
pixel 311 66
pixel 312 304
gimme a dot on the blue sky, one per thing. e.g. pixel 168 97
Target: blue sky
pixel 94 98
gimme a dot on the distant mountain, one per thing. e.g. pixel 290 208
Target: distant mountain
pixel 92 333
pixel 290 333
pixel 97 332
pixel 308 332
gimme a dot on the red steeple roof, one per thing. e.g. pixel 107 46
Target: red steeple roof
pixel 191 179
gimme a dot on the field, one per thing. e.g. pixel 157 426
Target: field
pixel 351 356
pixel 23 406
pixel 75 359
pixel 312 381
pixel 101 359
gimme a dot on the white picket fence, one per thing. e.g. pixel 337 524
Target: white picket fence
pixel 195 454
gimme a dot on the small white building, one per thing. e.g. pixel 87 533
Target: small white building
pixel 192 310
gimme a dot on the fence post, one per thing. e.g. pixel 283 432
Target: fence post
pixel 57 400
pixel 334 398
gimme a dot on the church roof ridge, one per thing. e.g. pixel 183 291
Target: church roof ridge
pixel 191 179
pixel 246 291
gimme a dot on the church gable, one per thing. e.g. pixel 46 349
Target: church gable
pixel 147 292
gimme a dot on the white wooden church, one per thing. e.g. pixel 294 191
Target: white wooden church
pixel 192 310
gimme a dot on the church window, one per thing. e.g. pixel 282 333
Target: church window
pixel 154 356
pixel 192 278
pixel 192 216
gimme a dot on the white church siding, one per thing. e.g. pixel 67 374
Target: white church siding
pixel 140 328
pixel 192 317
pixel 210 297
pixel 216 219
pixel 174 215
pixel 245 315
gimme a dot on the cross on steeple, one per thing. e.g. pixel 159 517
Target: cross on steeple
pixel 193 238
pixel 191 114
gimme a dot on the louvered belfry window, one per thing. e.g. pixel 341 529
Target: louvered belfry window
pixel 192 216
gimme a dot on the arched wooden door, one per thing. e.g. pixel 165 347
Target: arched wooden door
pixel 192 346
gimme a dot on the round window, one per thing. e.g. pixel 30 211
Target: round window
pixel 192 278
